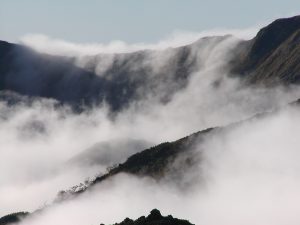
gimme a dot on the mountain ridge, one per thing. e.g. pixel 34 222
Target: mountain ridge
pixel 263 60
pixel 267 60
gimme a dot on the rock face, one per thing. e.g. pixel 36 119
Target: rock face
pixel 154 218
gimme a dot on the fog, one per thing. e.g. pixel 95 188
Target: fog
pixel 249 170
pixel 251 176
pixel 178 38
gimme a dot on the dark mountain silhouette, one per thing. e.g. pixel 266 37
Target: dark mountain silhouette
pixel 154 218
pixel 154 161
pixel 13 218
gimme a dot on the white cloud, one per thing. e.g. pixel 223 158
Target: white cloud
pixel 56 46
pixel 38 140
pixel 251 173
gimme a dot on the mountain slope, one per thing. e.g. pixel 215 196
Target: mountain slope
pixel 156 162
pixel 273 56
pixel 128 77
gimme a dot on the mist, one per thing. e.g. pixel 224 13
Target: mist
pixel 250 175
pixel 249 170
pixel 43 43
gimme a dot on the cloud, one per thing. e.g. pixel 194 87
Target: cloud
pixel 251 176
pixel 54 46
pixel 39 139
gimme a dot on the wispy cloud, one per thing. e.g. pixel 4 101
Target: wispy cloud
pixel 38 140
pixel 56 46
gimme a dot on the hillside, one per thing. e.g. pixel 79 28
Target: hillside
pixel 128 77
pixel 155 162
pixel 272 57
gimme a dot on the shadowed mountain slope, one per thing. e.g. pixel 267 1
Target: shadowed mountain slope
pixel 273 56
pixel 128 77
pixel 155 162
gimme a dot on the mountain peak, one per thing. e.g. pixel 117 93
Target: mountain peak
pixel 271 36
pixel 272 56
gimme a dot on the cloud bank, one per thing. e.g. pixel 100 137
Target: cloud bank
pixel 246 168
pixel 56 46
pixel 251 176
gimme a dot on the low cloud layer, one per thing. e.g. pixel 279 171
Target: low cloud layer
pixel 56 46
pixel 249 169
pixel 250 172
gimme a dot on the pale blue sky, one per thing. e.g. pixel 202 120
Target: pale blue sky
pixel 132 20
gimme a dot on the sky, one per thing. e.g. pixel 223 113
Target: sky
pixel 132 20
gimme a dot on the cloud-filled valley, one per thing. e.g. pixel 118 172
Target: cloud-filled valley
pixel 70 113
pixel 246 176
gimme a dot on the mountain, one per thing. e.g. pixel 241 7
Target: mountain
pixel 158 161
pixel 270 58
pixel 155 162
pixel 273 56
pixel 154 218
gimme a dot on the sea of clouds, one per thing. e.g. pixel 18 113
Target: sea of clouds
pixel 250 170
